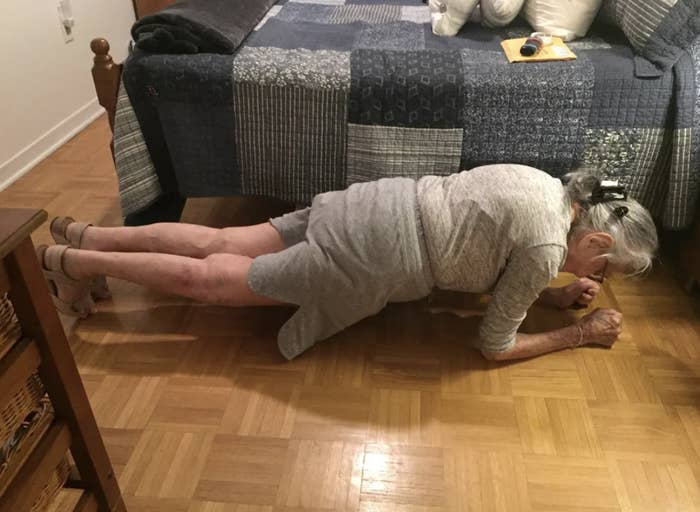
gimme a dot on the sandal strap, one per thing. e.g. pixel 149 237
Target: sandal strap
pixel 53 258
pixel 52 267
pixel 82 226
pixel 59 231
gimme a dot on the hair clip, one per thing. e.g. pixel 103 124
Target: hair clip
pixel 606 191
pixel 621 211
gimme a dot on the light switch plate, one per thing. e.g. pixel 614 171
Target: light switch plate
pixel 66 25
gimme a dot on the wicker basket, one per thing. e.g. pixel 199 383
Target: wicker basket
pixel 14 452
pixel 24 401
pixel 55 483
pixel 10 330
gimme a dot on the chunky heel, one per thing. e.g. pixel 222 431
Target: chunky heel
pixel 54 274
pixel 59 231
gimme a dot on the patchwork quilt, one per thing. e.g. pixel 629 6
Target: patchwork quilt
pixel 324 93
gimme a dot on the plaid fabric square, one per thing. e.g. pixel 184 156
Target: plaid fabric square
pixel 683 181
pixel 383 151
pixel 413 89
pixel 136 175
pixel 638 19
pixel 291 121
pixel 684 175
pixel 368 13
pixel 651 189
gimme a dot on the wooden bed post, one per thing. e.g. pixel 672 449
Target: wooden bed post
pixel 105 75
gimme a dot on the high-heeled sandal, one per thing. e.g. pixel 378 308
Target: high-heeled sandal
pixel 52 266
pixel 59 231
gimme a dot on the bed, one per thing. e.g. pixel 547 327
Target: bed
pixel 324 93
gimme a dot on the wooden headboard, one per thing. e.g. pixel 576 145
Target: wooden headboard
pixel 145 7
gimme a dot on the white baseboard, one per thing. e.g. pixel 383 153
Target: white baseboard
pixel 23 162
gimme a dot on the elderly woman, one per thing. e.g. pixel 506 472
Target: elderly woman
pixel 507 230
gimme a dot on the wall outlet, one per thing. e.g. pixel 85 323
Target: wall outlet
pixel 66 21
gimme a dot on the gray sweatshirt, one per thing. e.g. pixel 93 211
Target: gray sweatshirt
pixel 498 228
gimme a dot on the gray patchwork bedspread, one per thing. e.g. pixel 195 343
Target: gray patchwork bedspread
pixel 324 93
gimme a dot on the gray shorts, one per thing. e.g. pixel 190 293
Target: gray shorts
pixel 348 255
pixel 292 226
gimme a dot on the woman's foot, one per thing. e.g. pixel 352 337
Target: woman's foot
pixel 70 296
pixel 67 231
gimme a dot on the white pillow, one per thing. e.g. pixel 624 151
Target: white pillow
pixel 567 19
pixel 499 13
pixel 437 9
pixel 455 15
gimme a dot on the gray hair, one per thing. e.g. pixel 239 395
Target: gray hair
pixel 635 236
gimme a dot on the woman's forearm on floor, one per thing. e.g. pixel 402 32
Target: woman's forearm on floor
pixel 531 345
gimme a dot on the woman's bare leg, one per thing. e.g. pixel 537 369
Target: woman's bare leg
pixel 183 239
pixel 217 279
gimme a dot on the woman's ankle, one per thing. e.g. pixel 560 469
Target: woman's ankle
pixel 81 237
pixel 71 267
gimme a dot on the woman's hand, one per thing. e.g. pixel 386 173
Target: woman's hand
pixel 581 292
pixel 601 327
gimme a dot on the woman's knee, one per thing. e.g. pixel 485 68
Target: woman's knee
pixel 224 279
pixel 251 241
pixel 228 241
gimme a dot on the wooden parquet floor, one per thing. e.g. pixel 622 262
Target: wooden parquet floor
pixel 201 414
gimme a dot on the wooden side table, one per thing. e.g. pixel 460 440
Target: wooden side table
pixel 43 346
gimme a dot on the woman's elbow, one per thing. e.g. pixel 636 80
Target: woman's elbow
pixel 495 356
pixel 507 351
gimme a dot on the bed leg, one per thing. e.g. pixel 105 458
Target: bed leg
pixel 106 75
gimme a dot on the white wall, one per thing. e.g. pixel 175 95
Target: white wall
pixel 46 90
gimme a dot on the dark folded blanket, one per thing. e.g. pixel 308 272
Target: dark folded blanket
pixel 199 26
